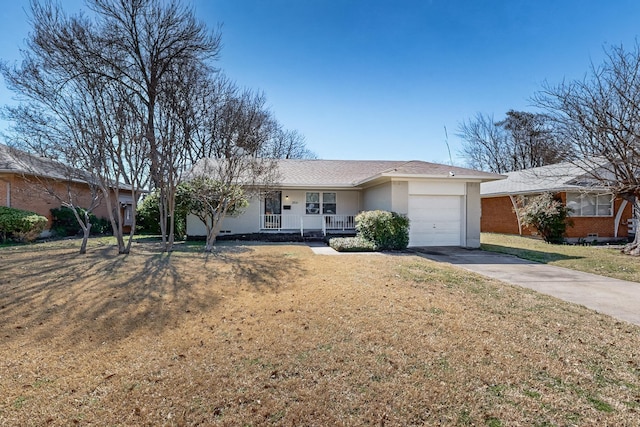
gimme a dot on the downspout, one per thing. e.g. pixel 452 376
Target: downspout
pixel 515 209
pixel 616 223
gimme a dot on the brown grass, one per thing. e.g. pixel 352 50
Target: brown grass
pixel 274 335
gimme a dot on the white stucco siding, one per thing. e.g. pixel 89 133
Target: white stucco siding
pixel 400 197
pixel 348 202
pixel 246 222
pixel 472 232
pixel 378 197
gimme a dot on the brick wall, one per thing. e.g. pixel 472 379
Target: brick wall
pixel 498 217
pixel 32 195
pixel 602 226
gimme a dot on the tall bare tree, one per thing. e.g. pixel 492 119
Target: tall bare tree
pixel 72 110
pixel 598 122
pixel 288 144
pixel 121 71
pixel 520 141
pixel 152 46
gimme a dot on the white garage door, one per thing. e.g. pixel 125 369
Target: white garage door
pixel 435 220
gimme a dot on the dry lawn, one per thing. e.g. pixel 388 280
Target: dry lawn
pixel 275 335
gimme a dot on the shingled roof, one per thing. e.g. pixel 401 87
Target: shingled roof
pixel 13 160
pixel 354 173
pixel 564 176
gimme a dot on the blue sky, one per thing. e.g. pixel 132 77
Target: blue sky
pixel 381 79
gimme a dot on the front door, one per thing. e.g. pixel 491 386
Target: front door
pixel 273 210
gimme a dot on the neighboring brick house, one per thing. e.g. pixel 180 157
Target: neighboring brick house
pixel 26 182
pixel 596 214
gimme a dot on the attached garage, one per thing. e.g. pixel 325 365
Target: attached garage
pixel 442 202
pixel 435 220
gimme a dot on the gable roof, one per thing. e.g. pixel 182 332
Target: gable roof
pixel 310 173
pixel 564 176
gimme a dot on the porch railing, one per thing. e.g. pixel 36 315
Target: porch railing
pixel 325 223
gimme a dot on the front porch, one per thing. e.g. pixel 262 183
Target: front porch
pixel 326 224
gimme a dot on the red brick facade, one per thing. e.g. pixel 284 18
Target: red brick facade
pixel 18 192
pixel 498 216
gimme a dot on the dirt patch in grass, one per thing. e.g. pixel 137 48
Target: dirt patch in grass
pixel 275 335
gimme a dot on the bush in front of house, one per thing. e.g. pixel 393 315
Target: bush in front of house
pixel 547 214
pixel 352 244
pixel 64 222
pixel 20 225
pixel 148 214
pixel 387 230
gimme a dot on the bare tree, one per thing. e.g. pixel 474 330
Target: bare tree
pixel 120 73
pixel 522 140
pixel 151 46
pixel 484 144
pixel 598 122
pixel 72 110
pixel 288 144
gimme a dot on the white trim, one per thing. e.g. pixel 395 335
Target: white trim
pixel 616 223
pixel 515 210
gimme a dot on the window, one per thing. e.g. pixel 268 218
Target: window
pixel 316 204
pixel 329 203
pixel 583 204
pixel 313 203
pixel 127 214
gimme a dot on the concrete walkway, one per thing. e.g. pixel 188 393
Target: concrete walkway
pixel 617 298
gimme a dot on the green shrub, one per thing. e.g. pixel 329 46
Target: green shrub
pixel 352 244
pixel 66 224
pixel 387 230
pixel 547 214
pixel 148 215
pixel 20 225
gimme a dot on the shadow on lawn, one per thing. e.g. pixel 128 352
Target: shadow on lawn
pixel 104 297
pixel 528 254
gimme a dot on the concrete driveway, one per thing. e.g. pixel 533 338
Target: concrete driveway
pixel 617 298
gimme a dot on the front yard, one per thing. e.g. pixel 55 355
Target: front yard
pixel 273 335
pixel 605 260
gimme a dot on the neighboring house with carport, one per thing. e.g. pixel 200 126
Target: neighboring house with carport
pixel 595 213
pixel 324 196
pixel 26 182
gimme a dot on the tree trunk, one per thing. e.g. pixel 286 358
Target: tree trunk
pixel 86 231
pixel 633 248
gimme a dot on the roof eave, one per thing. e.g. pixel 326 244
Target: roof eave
pixel 543 190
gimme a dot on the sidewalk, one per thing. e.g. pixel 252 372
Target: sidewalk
pixel 617 298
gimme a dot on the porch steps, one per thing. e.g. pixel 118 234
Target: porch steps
pixel 313 236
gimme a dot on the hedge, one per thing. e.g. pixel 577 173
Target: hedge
pixel 352 244
pixel 20 225
pixel 387 230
